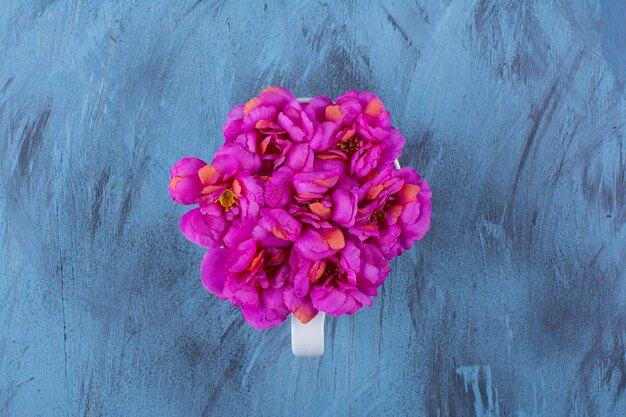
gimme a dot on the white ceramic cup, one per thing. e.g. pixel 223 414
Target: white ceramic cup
pixel 308 339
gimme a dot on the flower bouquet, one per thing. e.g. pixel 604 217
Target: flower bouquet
pixel 302 207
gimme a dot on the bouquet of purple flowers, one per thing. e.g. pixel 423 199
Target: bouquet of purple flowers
pixel 302 207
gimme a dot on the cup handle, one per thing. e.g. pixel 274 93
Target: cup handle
pixel 308 339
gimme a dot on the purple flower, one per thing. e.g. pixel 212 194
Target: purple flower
pixel 301 307
pixel 279 188
pixel 311 185
pixel 185 182
pixel 318 244
pixel 204 226
pixel 361 132
pixel 274 126
pixel 224 190
pixel 301 207
pixel 325 200
pixel 250 276
pixel 341 282
pixel 280 223
pixel 394 210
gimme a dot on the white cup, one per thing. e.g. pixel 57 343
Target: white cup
pixel 308 339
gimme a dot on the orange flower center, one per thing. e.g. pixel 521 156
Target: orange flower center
pixel 330 269
pixel 376 217
pixel 228 199
pixel 380 214
pixel 350 146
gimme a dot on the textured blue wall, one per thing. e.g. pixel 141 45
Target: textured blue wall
pixel 513 305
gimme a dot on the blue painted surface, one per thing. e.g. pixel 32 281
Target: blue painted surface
pixel 513 305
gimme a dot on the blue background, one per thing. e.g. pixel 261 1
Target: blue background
pixel 513 305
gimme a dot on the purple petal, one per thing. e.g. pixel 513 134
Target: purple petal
pixel 186 166
pixel 239 232
pixel 300 157
pixel 332 301
pixel 325 136
pixel 214 271
pixel 279 189
pixel 316 108
pixel 257 114
pixel 203 229
pixel 240 259
pixel 263 318
pixel 344 207
pixel 315 182
pixel 230 159
pixel 350 258
pixel 273 298
pixel 185 185
pixel 280 223
pixel 302 308
pixel 232 127
pixel 294 131
pixel 314 245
